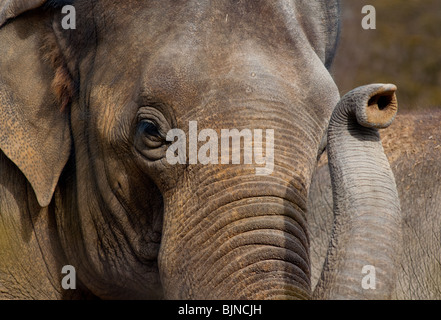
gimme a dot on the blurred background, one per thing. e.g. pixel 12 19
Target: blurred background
pixel 404 49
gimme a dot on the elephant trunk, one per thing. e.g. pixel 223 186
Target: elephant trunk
pixel 253 245
pixel 362 258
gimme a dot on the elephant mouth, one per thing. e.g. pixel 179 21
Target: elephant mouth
pixel 149 251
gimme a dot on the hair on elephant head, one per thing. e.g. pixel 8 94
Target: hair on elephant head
pixel 84 119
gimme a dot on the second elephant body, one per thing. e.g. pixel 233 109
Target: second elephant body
pixel 413 147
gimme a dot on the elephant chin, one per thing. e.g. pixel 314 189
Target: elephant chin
pixel 242 245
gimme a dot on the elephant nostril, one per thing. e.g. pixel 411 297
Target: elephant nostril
pixel 377 112
pixel 382 102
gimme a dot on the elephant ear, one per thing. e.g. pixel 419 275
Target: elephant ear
pixel 34 132
pixel 12 8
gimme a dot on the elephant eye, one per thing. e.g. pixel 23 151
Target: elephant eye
pixel 149 128
pixel 149 133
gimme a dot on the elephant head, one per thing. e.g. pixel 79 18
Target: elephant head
pixel 86 115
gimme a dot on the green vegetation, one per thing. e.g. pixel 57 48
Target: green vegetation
pixel 405 49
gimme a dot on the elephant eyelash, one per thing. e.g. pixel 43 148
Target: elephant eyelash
pixel 150 128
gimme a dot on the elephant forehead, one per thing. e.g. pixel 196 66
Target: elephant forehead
pixel 196 38
pixel 189 76
pixel 298 24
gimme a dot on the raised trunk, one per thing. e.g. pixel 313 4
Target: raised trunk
pixel 362 259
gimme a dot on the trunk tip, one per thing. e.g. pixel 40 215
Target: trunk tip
pixel 379 106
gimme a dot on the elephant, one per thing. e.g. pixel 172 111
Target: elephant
pixel 86 177
pixel 413 147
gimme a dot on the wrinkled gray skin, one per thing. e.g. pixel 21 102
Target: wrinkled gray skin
pixel 367 217
pixel 413 147
pixel 89 185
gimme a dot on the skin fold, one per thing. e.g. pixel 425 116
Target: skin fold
pixel 412 146
pixel 85 180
